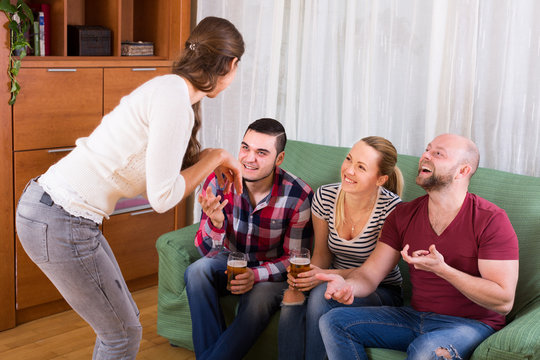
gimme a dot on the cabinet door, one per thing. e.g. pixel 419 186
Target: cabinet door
pixel 119 82
pixel 56 106
pixel 32 286
pixel 132 237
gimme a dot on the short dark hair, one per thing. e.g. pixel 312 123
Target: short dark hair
pixel 272 127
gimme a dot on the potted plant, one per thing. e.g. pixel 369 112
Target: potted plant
pixel 20 20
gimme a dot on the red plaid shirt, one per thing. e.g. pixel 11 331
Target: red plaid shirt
pixel 280 222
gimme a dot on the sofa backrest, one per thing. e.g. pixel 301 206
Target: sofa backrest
pixel 518 195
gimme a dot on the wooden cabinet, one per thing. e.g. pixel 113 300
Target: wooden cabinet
pixel 64 98
pixel 56 106
pixel 132 237
pixel 118 82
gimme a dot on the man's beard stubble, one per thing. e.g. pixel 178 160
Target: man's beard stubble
pixel 435 182
pixel 261 178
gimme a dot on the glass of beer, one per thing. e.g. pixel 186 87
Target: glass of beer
pixel 299 259
pixel 236 264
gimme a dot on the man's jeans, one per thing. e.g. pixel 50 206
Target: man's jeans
pixel 346 331
pixel 205 281
pixel 299 323
pixel 75 256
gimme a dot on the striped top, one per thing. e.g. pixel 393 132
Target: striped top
pixel 352 253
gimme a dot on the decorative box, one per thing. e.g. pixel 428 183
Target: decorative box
pixel 89 40
pixel 139 48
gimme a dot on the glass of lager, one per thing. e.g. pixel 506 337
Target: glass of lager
pixel 236 264
pixel 299 259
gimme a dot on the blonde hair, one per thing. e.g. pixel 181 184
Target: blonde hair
pixel 387 166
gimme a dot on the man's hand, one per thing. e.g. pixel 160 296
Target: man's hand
pixel 212 207
pixel 337 288
pixel 431 260
pixel 243 283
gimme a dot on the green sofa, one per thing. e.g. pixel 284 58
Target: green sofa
pixel 319 164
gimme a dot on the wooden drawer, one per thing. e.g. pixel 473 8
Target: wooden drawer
pixel 132 237
pixel 56 106
pixel 33 287
pixel 119 82
pixel 29 164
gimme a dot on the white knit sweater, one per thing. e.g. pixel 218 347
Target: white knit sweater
pixel 137 148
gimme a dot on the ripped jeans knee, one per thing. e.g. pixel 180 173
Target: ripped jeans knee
pixel 292 298
pixel 444 353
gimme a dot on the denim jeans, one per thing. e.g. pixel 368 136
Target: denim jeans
pixel 75 256
pixel 205 281
pixel 299 323
pixel 346 331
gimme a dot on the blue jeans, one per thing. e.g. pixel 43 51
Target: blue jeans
pixel 346 331
pixel 75 256
pixel 205 282
pixel 299 323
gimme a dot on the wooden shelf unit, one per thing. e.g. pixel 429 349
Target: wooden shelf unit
pixel 63 98
pixel 128 20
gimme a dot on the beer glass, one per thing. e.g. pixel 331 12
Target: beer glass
pixel 236 264
pixel 299 259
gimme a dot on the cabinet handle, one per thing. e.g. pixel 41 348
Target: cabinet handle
pixel 60 150
pixel 61 70
pixel 143 69
pixel 142 212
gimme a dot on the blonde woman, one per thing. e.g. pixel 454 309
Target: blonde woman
pixel 347 218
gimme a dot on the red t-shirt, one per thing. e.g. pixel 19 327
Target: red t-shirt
pixel 481 230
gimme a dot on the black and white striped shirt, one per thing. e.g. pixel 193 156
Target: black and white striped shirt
pixel 352 253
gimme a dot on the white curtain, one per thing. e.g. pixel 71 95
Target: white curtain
pixel 334 71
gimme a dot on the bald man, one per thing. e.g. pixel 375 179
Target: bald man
pixel 463 261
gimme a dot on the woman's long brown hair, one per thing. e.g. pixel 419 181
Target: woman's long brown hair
pixel 207 55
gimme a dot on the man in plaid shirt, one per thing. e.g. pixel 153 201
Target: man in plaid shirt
pixel 269 218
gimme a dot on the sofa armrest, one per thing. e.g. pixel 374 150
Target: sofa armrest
pixel 176 250
pixel 520 339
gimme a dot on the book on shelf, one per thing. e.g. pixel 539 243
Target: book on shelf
pixel 35 36
pixel 42 16
pixel 46 9
pixel 41 34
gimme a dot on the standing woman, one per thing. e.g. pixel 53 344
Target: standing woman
pixel 147 144
pixel 347 218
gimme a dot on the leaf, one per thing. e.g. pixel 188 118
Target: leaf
pixel 13 26
pixel 26 11
pixel 6 7
pixel 16 67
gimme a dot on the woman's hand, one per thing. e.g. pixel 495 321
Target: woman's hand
pixel 305 280
pixel 227 169
pixel 231 169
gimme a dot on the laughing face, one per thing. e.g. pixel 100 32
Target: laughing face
pixel 360 170
pixel 437 165
pixel 258 156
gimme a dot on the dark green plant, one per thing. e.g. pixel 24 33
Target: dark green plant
pixel 20 20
